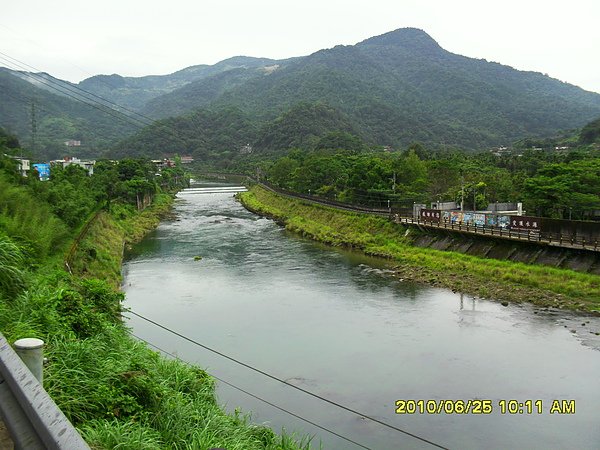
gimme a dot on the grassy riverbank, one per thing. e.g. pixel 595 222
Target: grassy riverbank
pixel 114 389
pixel 486 278
pixel 99 254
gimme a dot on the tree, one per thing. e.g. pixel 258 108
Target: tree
pixel 281 172
pixel 590 133
pixel 8 140
pixel 340 140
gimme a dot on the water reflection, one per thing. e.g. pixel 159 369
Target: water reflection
pixel 337 322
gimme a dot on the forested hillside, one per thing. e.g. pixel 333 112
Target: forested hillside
pixel 136 92
pixel 57 118
pixel 550 183
pixel 102 110
pixel 402 87
pixel 389 90
pixel 215 135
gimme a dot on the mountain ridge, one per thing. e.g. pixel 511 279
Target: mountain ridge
pixel 392 89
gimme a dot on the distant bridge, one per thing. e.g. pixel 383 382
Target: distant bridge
pixel 216 190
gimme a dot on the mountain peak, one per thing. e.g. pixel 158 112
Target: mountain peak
pixel 413 38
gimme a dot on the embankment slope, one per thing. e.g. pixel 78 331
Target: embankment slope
pixel 503 280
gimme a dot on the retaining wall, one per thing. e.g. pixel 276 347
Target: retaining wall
pixel 496 248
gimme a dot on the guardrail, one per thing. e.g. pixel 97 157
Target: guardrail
pixel 327 202
pixel 30 415
pixel 534 237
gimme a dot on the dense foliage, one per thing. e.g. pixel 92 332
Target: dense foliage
pixel 64 111
pixel 551 184
pixel 203 80
pixel 591 133
pixel 118 392
pixel 402 87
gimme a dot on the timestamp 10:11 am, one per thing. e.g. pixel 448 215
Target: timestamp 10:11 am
pixel 536 407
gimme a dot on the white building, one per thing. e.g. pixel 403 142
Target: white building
pixel 68 160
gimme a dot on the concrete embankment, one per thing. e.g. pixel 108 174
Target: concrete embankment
pixel 489 268
pixel 482 246
pixel 586 261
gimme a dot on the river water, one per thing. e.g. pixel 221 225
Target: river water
pixel 337 324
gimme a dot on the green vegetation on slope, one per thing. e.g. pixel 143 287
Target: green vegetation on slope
pixel 58 118
pixel 550 184
pixel 390 90
pixel 502 280
pixel 114 389
pixel 403 87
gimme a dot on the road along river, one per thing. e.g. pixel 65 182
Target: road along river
pixel 337 324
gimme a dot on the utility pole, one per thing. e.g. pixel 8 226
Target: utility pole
pixel 462 193
pixel 33 126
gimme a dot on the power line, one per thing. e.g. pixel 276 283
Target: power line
pixel 72 84
pixel 258 398
pixel 65 86
pixel 78 91
pixel 82 99
pixel 273 377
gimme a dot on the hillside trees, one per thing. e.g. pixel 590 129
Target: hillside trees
pixel 551 185
pixel 590 133
pixel 565 190
pixel 29 220
pixel 369 178
pixel 70 194
pixel 8 140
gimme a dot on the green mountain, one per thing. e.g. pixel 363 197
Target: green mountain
pixel 304 126
pixel 220 135
pixel 63 111
pixel 402 87
pixel 205 134
pixel 57 119
pixel 136 92
pixel 394 89
pixel 199 93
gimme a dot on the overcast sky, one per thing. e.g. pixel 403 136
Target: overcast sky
pixel 75 39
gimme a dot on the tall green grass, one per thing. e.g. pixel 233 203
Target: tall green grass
pixel 30 221
pixel 99 253
pixel 11 262
pixel 116 391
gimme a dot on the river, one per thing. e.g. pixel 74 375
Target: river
pixel 336 323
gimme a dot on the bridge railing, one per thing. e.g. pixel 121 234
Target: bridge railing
pixel 533 236
pixel 555 239
pixel 30 415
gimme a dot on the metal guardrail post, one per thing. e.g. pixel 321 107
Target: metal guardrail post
pixel 31 352
pixel 31 416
